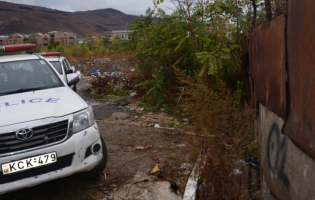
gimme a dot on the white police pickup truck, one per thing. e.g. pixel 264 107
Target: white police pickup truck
pixel 61 64
pixel 47 131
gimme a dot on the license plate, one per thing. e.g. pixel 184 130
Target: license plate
pixel 29 163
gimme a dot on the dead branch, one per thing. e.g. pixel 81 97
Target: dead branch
pixel 145 180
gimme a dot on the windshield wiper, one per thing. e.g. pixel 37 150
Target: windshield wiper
pixel 24 90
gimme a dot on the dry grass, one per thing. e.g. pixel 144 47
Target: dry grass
pixel 226 129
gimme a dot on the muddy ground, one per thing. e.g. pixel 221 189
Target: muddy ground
pixel 122 133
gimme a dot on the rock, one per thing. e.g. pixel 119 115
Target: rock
pixel 120 115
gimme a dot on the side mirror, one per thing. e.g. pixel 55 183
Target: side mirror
pixel 69 71
pixel 72 78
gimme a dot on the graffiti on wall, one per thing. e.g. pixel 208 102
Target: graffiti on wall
pixel 276 155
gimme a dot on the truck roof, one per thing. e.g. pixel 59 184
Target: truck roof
pixel 19 57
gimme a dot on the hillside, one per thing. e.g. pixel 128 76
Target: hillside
pixel 19 18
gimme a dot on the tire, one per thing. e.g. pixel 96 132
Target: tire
pixel 99 168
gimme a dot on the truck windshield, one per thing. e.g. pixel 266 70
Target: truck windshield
pixel 27 75
pixel 57 66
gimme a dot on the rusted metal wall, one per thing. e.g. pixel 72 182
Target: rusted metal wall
pixel 267 54
pixel 300 125
pixel 245 68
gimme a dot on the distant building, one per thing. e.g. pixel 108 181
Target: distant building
pixel 81 40
pixel 121 34
pixel 43 39
pixel 90 36
pixel 18 38
pixel 4 40
pixel 65 38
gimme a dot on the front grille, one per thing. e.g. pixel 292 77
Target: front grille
pixel 62 162
pixel 43 135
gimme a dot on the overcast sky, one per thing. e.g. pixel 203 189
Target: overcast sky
pixel 134 7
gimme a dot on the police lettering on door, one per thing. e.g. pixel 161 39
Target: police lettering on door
pixel 30 101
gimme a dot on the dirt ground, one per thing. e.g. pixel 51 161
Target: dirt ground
pixel 122 133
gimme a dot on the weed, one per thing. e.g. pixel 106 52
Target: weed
pixel 227 131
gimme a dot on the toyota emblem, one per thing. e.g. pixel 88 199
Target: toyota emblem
pixel 24 134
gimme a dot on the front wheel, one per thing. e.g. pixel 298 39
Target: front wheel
pixel 100 167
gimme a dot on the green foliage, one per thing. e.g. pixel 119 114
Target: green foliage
pixel 95 47
pixel 199 38
pixel 112 92
pixel 117 91
pixel 54 45
pixel 32 40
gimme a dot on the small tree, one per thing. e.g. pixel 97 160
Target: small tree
pixel 33 40
pixel 54 45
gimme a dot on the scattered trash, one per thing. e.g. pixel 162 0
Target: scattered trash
pixel 121 108
pixel 133 69
pixel 255 174
pixel 174 187
pixel 132 108
pixel 145 180
pixel 157 126
pixel 79 73
pixel 185 119
pixel 205 189
pixel 187 171
pixel 89 73
pixel 180 145
pixel 142 147
pixel 133 94
pixel 237 172
pixel 105 176
pixel 105 192
pixel 155 169
pixel 186 166
pixel 96 73
pixel 96 180
pixel 160 174
pixel 113 185
pixel 145 192
pixel 141 108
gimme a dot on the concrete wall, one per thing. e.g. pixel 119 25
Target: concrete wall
pixel 288 172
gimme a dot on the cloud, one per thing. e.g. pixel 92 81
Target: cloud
pixel 134 7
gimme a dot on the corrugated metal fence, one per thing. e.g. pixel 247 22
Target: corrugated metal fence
pixel 279 71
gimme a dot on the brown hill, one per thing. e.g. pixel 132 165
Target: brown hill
pixel 19 18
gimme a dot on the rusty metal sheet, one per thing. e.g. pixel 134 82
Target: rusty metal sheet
pixel 300 125
pixel 267 57
pixel 245 67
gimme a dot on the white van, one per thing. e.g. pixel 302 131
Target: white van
pixel 47 131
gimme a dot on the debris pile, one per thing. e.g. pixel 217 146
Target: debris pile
pixel 103 65
pixel 104 73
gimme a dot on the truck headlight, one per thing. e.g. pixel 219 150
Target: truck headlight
pixel 83 120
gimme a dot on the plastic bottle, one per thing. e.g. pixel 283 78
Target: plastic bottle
pixel 247 182
pixel 142 147
pixel 255 174
pixel 203 190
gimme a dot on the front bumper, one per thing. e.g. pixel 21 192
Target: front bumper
pixel 76 145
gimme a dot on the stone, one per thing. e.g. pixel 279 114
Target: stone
pixel 120 115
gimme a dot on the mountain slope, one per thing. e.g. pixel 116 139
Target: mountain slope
pixel 19 18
